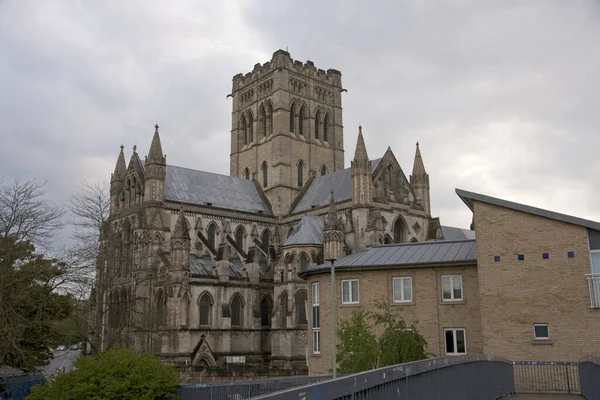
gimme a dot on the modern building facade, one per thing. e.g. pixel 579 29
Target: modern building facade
pixel 527 288
pixel 199 267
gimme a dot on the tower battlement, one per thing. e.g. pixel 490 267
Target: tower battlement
pixel 282 60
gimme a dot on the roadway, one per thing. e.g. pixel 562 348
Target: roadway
pixel 62 361
pixel 546 397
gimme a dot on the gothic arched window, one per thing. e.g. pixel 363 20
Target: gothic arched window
pixel 300 173
pixel 211 234
pixel 323 170
pixel 123 309
pixel 292 117
pixel 161 308
pixel 301 120
pixel 389 175
pixel 303 261
pixel 244 129
pixel 250 125
pixel 317 124
pixel 265 311
pixel 326 128
pixel 262 122
pixel 269 119
pixel 265 174
pixel 399 231
pixel 247 173
pixel 283 309
pixel 301 299
pixel 204 305
pixel 236 311
pixel 239 237
pixel 266 239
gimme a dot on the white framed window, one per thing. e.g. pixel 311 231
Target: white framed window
pixel 402 289
pixel 456 341
pixel 316 318
pixel 452 287
pixel 350 291
pixel 541 332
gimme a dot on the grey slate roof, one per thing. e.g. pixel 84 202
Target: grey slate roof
pixel 470 197
pixel 452 233
pixel 203 267
pixel 407 255
pixel 319 192
pixel 200 187
pixel 308 231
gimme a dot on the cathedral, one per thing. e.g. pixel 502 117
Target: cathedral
pixel 201 269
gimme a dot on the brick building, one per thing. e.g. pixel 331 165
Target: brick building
pixel 198 267
pixel 527 288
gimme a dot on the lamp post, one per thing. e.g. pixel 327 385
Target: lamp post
pixel 333 320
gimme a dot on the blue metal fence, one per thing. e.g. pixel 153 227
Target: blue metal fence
pixel 589 377
pixel 546 377
pixel 243 389
pixel 18 387
pixel 451 378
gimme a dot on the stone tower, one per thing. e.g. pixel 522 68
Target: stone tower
pixel 286 126
pixel 419 180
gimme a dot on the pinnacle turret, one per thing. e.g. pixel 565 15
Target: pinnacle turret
pixel 332 222
pixel 360 154
pixel 418 166
pixel 181 230
pixel 155 155
pixel 120 168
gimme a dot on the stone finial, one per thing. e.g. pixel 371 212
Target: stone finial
pixel 120 167
pixel 360 154
pixel 418 166
pixel 155 155
pixel 181 230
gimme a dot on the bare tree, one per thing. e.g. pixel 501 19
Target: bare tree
pixel 25 214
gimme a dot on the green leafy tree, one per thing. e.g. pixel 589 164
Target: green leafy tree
pixel 29 307
pixel 116 374
pixel 357 348
pixel 399 343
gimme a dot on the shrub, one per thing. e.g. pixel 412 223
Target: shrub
pixel 116 374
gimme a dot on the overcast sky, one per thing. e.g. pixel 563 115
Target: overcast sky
pixel 503 96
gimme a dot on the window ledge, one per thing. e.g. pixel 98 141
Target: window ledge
pixel 403 303
pixel 452 302
pixel 350 305
pixel 315 355
pixel 542 342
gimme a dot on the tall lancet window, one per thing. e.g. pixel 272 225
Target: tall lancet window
pixel 301 120
pixel 300 173
pixel 317 124
pixel 292 117
pixel 326 128
pixel 244 128
pixel 265 174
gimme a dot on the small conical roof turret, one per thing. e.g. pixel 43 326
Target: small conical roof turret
pixel 360 154
pixel 418 166
pixel 120 168
pixel 155 155
pixel 181 230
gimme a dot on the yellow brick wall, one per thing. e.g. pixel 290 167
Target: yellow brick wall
pixel 427 311
pixel 516 294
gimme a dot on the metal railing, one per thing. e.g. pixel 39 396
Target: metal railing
pixel 594 285
pixel 451 378
pixel 589 377
pixel 243 389
pixel 546 377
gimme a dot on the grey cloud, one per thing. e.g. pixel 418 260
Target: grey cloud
pixel 501 95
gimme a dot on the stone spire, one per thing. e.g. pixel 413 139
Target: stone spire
pixel 120 168
pixel 333 235
pixel 360 154
pixel 419 180
pixel 155 155
pixel 418 166
pixel 362 173
pixel 332 221
pixel 181 230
